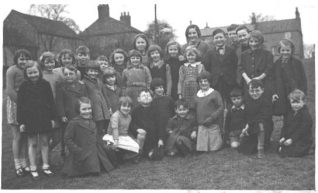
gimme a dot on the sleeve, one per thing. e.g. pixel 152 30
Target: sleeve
pixel 240 64
pixel 69 138
pixel 302 78
pixel 124 79
pixel 168 79
pixel 10 85
pixel 148 77
pixel 304 128
pixel 207 60
pixel 114 122
pixel 218 112
pixel 20 105
pixel 181 79
pixel 269 64
pixel 60 101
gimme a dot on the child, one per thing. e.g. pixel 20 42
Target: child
pixel 181 130
pixel 175 60
pixel 65 57
pixel 118 60
pixel 221 62
pixel 231 32
pixel 236 118
pixel 142 126
pixel 103 63
pixel 110 89
pixel 14 78
pixel 258 111
pixel 209 111
pixel 243 34
pixel 118 130
pixel 101 113
pixel 36 115
pixel 82 59
pixel 188 73
pixel 289 75
pixel 136 76
pixel 87 156
pixel 163 109
pixel 296 136
pixel 158 68
pixel 141 43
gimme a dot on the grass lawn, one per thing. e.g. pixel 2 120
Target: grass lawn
pixel 225 169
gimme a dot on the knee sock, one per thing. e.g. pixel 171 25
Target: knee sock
pixel 260 141
pixel 17 163
pixel 23 163
pixel 33 168
pixel 45 166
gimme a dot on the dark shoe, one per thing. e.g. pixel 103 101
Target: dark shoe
pixel 47 172
pixel 20 172
pixel 34 174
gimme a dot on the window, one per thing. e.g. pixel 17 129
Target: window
pixel 287 35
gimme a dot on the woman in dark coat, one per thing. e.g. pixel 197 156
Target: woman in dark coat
pixel 87 154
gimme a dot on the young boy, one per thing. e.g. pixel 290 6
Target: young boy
pixel 236 118
pixel 258 112
pixel 182 130
pixel 296 136
pixel 231 32
pixel 82 59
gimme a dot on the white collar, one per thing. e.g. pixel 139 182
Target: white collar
pixel 241 107
pixel 192 64
pixel 202 93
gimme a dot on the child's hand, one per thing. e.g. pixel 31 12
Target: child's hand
pixel 275 97
pixel 282 140
pixel 181 58
pixel 116 143
pixel 64 119
pixel 22 128
pixel 160 143
pixel 141 131
pixel 193 134
pixel 288 142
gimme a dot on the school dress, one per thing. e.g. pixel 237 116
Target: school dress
pixel 86 154
pixel 298 128
pixel 14 78
pixel 36 107
pixel 289 75
pixel 209 109
pixel 175 65
pixel 112 95
pixel 235 122
pixel 135 79
pixel 188 85
pixel 180 136
pixel 222 64
pixel 163 71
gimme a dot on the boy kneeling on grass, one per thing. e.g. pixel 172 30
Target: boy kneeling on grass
pixel 296 136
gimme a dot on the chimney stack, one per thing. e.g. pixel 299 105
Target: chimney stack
pixel 103 11
pixel 125 18
pixel 297 13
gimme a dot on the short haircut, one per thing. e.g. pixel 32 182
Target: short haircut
pixel 21 52
pixel 204 75
pixel 82 50
pixel 65 52
pixel 102 57
pixel 125 100
pixel 143 36
pixel 217 31
pixel 120 51
pixel 156 82
pixel 193 49
pixel 134 52
pixel 170 43
pixel 242 27
pixel 144 90
pixel 109 72
pixel 236 92
pixel 232 27
pixel 181 102
pixel 286 42
pixel 195 27
pixel 297 95
pixel 31 64
pixel 85 100
pixel 256 84
pixel 70 67
pixel 154 47
pixel 44 56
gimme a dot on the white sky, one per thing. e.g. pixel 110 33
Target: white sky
pixel 179 13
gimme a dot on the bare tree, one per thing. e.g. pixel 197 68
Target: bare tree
pixel 254 17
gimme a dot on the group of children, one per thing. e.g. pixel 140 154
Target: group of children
pixel 150 103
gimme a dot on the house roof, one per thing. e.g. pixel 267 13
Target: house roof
pixel 107 26
pixel 46 26
pixel 16 38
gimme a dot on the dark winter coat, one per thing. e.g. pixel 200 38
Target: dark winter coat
pixel 175 65
pixel 67 96
pixel 87 154
pixel 112 97
pixel 235 120
pixel 298 128
pixel 288 77
pixel 35 106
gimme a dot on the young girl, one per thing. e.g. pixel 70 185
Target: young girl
pixel 14 78
pixel 118 60
pixel 141 43
pixel 158 68
pixel 105 65
pixel 136 76
pixel 188 73
pixel 209 111
pixel 111 90
pixel 36 115
pixel 87 155
pixel 101 113
pixel 65 57
pixel 174 59
pixel 118 130
pixel 289 75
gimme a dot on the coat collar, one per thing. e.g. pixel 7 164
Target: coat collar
pixel 192 64
pixel 204 93
pixel 159 64
pixel 242 107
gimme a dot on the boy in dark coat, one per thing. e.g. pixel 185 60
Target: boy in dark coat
pixel 87 154
pixel 258 113
pixel 296 136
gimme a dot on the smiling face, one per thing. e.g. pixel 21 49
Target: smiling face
pixel 155 55
pixel 69 75
pixel 82 58
pixel 173 51
pixel 49 64
pixel 192 34
pixel 191 57
pixel 119 58
pixel 243 36
pixel 33 73
pixel 232 35
pixel 204 84
pixel 22 60
pixel 135 60
pixel 144 98
pixel 237 101
pixel 254 43
pixel 159 90
pixel 255 93
pixel 141 44
pixel 92 73
pixel 285 52
pixel 219 39
pixel 103 64
pixel 85 110
pixel 125 108
pixel 111 80
pixel 296 104
pixel 66 59
pixel 181 111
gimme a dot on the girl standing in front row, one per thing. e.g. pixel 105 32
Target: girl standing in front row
pixel 36 115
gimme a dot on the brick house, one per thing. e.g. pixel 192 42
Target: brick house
pixel 273 32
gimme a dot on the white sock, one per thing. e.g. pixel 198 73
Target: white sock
pixel 45 166
pixel 17 163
